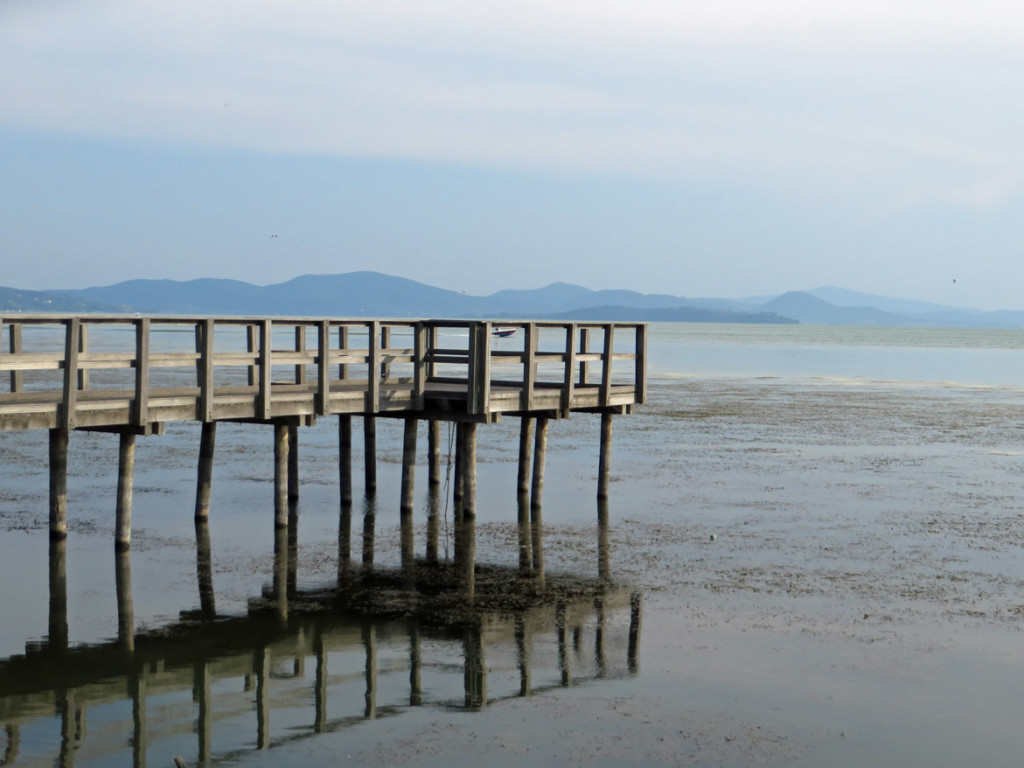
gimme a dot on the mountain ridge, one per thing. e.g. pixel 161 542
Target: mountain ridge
pixel 374 294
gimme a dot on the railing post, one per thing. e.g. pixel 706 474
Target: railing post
pixel 479 373
pixel 419 365
pixel 584 349
pixel 431 346
pixel 83 348
pixel 569 374
pixel 250 347
pixel 373 367
pixel 640 373
pixel 17 377
pixel 205 369
pixel 343 345
pixel 265 404
pixel 323 389
pixel 68 417
pixel 300 346
pixel 606 363
pixel 529 364
pixel 141 414
pixel 385 345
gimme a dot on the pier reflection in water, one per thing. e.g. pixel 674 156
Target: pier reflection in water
pixel 211 687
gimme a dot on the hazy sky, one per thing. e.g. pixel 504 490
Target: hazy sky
pixel 703 149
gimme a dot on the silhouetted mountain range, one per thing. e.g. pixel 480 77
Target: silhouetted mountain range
pixel 372 294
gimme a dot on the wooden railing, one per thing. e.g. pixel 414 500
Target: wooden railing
pixel 96 370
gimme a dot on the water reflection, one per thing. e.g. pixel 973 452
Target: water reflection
pixel 304 663
pixel 58 617
pixel 125 607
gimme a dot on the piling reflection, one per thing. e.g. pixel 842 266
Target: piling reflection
pixel 308 663
pixel 604 569
pixel 475 674
pixel 282 571
pixel 12 744
pixel 57 638
pixel 202 698
pixel 125 608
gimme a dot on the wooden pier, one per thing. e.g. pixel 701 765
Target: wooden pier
pixel 131 375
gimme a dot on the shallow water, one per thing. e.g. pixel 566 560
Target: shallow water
pixel 862 601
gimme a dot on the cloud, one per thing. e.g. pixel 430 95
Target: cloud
pixel 905 102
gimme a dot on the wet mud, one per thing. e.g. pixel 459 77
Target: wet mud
pixel 831 575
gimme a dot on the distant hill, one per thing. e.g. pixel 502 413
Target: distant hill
pixel 842 297
pixel 808 309
pixel 838 306
pixel 372 294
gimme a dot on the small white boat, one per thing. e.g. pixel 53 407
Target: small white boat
pixel 502 332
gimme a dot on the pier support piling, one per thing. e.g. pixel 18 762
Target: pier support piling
pixel 434 453
pixel 370 454
pixel 408 483
pixel 467 551
pixel 345 458
pixel 458 486
pixel 433 524
pixel 205 475
pixel 605 461
pixel 525 435
pixel 344 542
pixel 293 463
pixel 280 474
pixel 525 548
pixel 125 479
pixel 58 483
pixel 537 498
pixel 540 451
pixel 369 532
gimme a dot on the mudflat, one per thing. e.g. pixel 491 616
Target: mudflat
pixel 830 574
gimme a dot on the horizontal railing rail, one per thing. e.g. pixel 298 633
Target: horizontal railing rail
pixel 68 368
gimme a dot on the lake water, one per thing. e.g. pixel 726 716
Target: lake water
pixel 861 602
